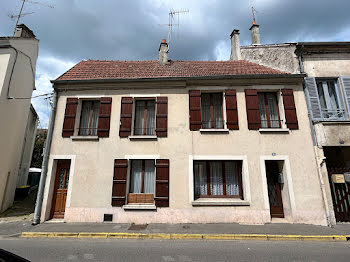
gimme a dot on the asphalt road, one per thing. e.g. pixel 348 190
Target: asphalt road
pixel 174 250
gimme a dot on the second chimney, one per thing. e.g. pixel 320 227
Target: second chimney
pixel 235 45
pixel 163 52
pixel 254 29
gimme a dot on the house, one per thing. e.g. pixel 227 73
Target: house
pixel 327 90
pixel 18 55
pixel 181 142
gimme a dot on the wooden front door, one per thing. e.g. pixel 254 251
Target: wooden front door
pixel 274 189
pixel 60 192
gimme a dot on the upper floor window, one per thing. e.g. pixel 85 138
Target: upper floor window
pixel 89 118
pixel 212 113
pixel 145 118
pixel 330 99
pixel 268 109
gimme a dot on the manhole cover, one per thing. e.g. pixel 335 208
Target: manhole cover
pixel 138 227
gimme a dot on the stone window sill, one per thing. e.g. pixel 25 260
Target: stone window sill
pixel 214 130
pixel 274 130
pixel 220 202
pixel 140 207
pixel 85 138
pixel 143 137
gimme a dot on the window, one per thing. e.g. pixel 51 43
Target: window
pixel 329 98
pixel 142 176
pixel 218 179
pixel 145 117
pixel 212 113
pixel 268 110
pixel 89 118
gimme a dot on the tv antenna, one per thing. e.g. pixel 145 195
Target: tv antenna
pixel 172 16
pixel 254 14
pixel 20 14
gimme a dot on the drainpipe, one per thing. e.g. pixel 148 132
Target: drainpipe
pixel 39 198
pixel 315 143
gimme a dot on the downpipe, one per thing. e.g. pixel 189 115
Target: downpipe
pixel 39 198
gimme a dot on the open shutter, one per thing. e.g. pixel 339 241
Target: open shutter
pixel 125 117
pixel 69 117
pixel 231 109
pixel 313 101
pixel 195 110
pixel 104 116
pixel 162 117
pixel 345 82
pixel 252 104
pixel 119 182
pixel 162 183
pixel 289 109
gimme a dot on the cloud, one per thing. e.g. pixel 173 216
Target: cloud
pixel 131 30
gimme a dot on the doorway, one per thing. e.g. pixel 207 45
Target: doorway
pixel 60 189
pixel 274 179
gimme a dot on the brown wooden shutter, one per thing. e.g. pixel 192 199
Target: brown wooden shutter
pixel 195 110
pixel 125 117
pixel 231 109
pixel 119 182
pixel 69 117
pixel 162 116
pixel 289 109
pixel 252 104
pixel 104 116
pixel 162 183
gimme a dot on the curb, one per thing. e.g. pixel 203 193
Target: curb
pixel 343 238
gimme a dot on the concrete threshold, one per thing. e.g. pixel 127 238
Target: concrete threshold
pixel 342 238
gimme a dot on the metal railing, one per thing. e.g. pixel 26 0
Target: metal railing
pixel 144 131
pixel 87 131
pixel 271 123
pixel 333 114
pixel 217 124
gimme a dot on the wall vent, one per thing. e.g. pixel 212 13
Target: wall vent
pixel 107 218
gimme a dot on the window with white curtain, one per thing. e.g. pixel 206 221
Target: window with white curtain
pixel 145 118
pixel 268 109
pixel 218 179
pixel 212 111
pixel 330 99
pixel 89 118
pixel 143 176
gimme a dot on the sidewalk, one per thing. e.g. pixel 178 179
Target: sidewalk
pixel 340 232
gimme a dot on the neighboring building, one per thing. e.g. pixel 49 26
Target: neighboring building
pixel 327 89
pixel 18 57
pixel 181 142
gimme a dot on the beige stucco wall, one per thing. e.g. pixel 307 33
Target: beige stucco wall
pixel 14 112
pixel 90 185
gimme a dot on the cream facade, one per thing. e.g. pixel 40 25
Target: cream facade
pixel 92 159
pixel 18 56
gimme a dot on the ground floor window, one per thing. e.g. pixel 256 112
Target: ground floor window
pixel 218 179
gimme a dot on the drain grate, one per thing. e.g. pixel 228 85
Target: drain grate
pixel 137 227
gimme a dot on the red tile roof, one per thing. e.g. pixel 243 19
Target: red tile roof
pixel 98 69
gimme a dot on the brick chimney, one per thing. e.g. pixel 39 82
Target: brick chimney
pixel 254 29
pixel 23 31
pixel 163 52
pixel 235 45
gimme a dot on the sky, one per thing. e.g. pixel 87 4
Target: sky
pixel 132 30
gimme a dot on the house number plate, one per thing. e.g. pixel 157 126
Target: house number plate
pixel 338 178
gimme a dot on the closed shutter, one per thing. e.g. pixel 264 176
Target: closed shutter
pixel 119 182
pixel 125 117
pixel 345 80
pixel 313 101
pixel 252 104
pixel 195 110
pixel 289 109
pixel 162 183
pixel 69 117
pixel 231 109
pixel 162 117
pixel 104 116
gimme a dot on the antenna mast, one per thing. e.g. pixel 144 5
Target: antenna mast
pixel 254 13
pixel 172 15
pixel 20 14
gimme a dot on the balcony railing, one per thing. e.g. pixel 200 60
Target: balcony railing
pixel 87 131
pixel 271 123
pixel 217 124
pixel 145 131
pixel 333 114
